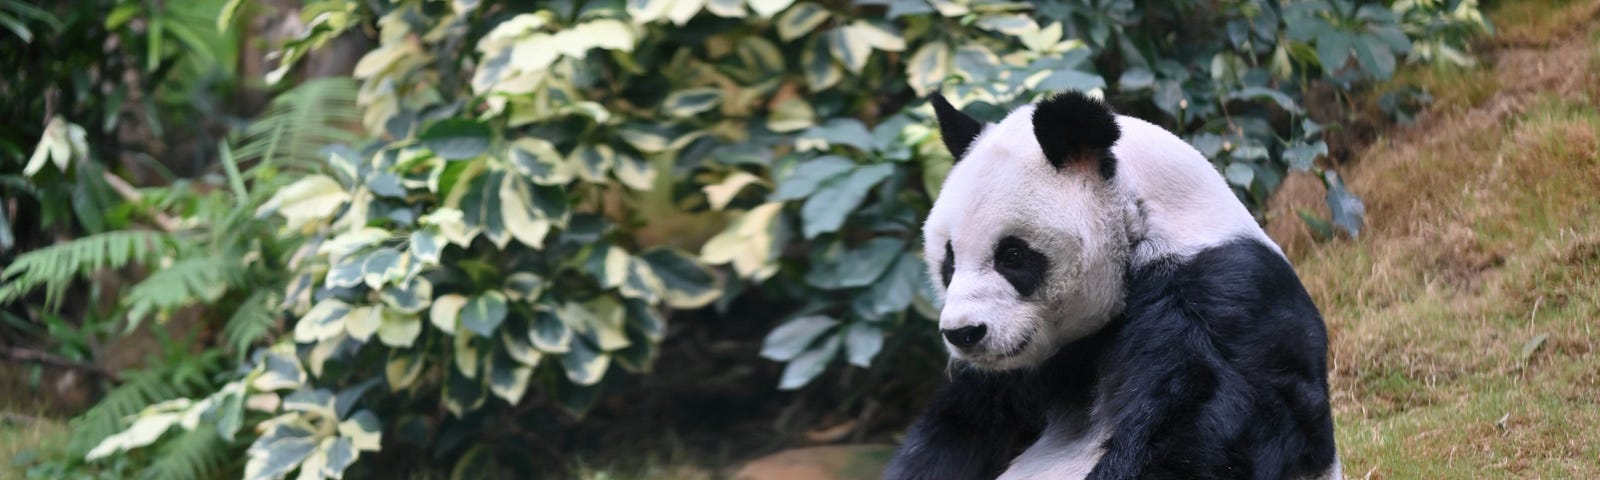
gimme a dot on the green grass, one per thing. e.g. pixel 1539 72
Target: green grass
pixel 20 437
pixel 1483 237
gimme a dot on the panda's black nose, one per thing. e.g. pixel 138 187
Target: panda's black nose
pixel 965 337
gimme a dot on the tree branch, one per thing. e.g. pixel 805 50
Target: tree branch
pixel 52 360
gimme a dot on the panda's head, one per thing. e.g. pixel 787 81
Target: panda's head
pixel 1027 241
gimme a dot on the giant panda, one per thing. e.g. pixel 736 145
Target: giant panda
pixel 1112 311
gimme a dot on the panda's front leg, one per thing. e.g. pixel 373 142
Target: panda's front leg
pixel 976 424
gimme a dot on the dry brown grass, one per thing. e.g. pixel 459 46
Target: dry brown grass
pixel 1483 235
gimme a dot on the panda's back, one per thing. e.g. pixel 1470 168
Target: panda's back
pixel 1184 204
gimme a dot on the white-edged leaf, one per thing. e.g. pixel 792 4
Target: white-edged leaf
pixel 483 313
pixel 691 101
pixel 445 311
pixel 800 20
pixel 790 339
pixel 325 320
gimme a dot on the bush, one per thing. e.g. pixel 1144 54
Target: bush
pixel 516 224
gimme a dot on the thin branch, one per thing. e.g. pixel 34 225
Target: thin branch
pixel 132 195
pixel 52 360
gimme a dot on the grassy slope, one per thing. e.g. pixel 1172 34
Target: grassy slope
pixel 1483 238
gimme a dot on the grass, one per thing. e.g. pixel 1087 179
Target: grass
pixel 1463 322
pixel 20 436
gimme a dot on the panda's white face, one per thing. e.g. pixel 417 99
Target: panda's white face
pixel 1027 255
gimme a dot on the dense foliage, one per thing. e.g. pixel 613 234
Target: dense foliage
pixel 541 183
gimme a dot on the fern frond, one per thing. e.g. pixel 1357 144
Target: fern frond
pixel 191 455
pixel 300 122
pixel 54 267
pixel 251 321
pixel 190 280
pixel 139 389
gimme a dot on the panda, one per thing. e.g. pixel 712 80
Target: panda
pixel 1112 311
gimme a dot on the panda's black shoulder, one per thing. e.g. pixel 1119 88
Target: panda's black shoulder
pixel 1233 325
pixel 1240 279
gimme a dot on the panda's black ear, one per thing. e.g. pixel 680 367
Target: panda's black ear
pixel 1071 127
pixel 957 129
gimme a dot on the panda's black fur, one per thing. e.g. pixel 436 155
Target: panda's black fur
pixel 1214 369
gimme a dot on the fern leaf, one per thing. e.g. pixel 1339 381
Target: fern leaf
pixel 300 122
pixel 200 279
pixel 192 455
pixel 251 321
pixel 54 267
pixel 139 389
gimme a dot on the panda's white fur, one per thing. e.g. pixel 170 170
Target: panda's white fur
pixel 1164 205
pixel 1164 193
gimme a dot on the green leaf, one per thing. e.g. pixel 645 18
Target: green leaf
pixel 857 267
pixel 519 349
pixel 324 321
pixel 841 131
pixel 402 369
pixel 767 8
pixel 977 63
pixel 481 207
pixel 363 430
pixel 382 266
pixel 363 322
pixel 862 342
pixel 825 210
pixel 508 378
pixel 278 452
pixel 928 67
pixel 792 114
pixel 1136 78
pixel 549 334
pixel 808 365
pixel 483 314
pixel 445 311
pixel 726 8
pixel 399 329
pixel 539 160
pixel 584 365
pixel 692 101
pixel 524 287
pixel 312 198
pixel 718 195
pixel 1070 80
pixel 895 290
pixel 594 161
pixel 1257 93
pixel 790 339
pixel 750 242
pixel 524 221
pixel 808 175
pixel 1239 174
pixel 462 394
pixel 646 11
pixel 1374 56
pixel 351 242
pixel 850 51
pixel 1333 50
pixel 818 66
pixel 635 172
pixel 456 138
pixel 685 283
pixel 1348 210
pixel 800 20
pixel 426 246
pixel 410 297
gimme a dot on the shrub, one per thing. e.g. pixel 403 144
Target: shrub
pixel 496 244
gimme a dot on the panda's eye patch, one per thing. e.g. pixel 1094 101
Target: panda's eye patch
pixel 947 268
pixel 1020 264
